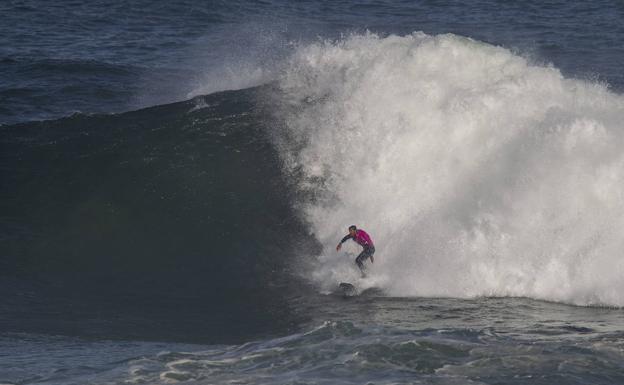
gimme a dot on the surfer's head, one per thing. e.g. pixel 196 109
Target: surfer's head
pixel 352 229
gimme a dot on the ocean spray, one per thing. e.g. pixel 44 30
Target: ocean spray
pixel 476 172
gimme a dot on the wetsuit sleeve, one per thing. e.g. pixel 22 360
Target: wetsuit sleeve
pixel 346 238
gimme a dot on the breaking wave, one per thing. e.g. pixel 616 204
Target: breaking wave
pixel 476 171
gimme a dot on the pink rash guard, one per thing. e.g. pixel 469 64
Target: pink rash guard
pixel 361 237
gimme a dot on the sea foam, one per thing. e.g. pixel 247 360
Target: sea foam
pixel 476 172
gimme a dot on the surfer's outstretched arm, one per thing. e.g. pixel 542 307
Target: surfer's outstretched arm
pixel 346 238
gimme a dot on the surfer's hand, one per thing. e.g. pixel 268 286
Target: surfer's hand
pixel 338 247
pixel 372 259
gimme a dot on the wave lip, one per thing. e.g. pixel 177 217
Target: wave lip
pixel 477 172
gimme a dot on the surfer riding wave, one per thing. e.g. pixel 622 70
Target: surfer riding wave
pixel 362 238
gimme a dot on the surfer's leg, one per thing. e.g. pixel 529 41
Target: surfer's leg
pixel 366 253
pixel 359 260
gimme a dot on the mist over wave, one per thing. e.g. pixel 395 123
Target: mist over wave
pixel 477 172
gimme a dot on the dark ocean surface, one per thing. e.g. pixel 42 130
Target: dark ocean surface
pixel 174 177
pixel 107 56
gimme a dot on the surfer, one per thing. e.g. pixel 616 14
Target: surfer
pixel 362 238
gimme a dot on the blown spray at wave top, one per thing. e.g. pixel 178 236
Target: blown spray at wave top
pixel 475 172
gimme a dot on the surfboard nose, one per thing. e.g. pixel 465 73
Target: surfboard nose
pixel 348 290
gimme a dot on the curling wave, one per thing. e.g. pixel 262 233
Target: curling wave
pixel 477 172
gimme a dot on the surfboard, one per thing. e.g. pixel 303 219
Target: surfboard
pixel 347 289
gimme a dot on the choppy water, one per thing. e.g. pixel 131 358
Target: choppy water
pixel 370 339
pixel 192 241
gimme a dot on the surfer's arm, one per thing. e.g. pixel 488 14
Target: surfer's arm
pixel 346 238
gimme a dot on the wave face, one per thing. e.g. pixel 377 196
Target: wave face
pixel 476 172
pixel 175 218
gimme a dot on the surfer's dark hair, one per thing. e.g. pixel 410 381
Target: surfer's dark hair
pixel 352 227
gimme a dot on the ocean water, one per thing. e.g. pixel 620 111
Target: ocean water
pixel 176 175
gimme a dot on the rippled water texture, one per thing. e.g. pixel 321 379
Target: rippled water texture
pixel 65 57
pixel 428 341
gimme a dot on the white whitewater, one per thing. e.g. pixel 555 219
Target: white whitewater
pixel 476 172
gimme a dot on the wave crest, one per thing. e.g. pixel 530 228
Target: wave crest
pixel 475 171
